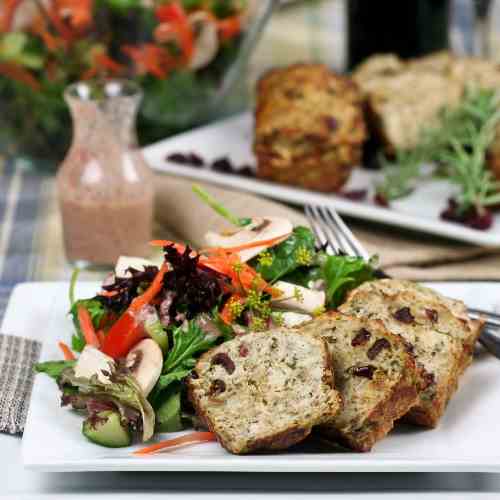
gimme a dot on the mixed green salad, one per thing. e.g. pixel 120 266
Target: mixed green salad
pixel 136 341
pixel 177 50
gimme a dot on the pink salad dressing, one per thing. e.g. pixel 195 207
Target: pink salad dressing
pixel 105 187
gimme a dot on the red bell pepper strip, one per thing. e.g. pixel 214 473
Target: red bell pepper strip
pixel 128 330
pixel 105 62
pixel 174 15
pixel 87 327
pixel 172 12
pixel 64 31
pixel 101 336
pixel 150 58
pixel 229 27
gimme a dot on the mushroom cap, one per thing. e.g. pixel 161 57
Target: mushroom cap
pixel 261 228
pixel 206 44
pixel 146 362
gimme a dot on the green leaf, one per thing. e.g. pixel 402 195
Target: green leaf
pixel 168 414
pixel 123 388
pixel 54 368
pixel 303 276
pixel 97 312
pixel 287 256
pixel 342 274
pixel 188 343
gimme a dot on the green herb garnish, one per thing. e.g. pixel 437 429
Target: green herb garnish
pixel 457 145
pixel 219 208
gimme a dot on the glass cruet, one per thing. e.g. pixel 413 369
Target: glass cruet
pixel 105 187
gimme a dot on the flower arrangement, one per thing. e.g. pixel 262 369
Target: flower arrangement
pixel 178 50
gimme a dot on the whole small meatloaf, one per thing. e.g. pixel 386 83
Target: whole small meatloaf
pixel 265 390
pixel 309 127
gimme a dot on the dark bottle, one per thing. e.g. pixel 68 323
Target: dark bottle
pixel 408 28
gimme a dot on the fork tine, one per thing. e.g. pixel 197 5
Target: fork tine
pixel 331 236
pixel 318 228
pixel 313 223
pixel 348 234
pixel 343 243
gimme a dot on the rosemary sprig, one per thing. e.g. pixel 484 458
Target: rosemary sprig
pixel 457 147
pixel 465 162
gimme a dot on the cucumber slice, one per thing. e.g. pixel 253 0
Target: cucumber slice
pixel 107 430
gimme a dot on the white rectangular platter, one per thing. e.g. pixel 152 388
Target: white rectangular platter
pixel 467 439
pixel 233 137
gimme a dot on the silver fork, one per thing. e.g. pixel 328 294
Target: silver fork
pixel 332 232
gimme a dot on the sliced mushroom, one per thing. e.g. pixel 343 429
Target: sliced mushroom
pixel 124 262
pixel 298 298
pixel 145 361
pixel 261 228
pixel 292 319
pixel 206 42
pixel 94 362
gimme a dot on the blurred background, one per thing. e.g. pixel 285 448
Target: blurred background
pixel 263 34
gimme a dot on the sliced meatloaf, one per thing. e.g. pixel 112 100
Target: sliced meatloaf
pixel 264 390
pixel 374 373
pixel 441 340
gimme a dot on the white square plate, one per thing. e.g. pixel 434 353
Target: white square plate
pixel 466 440
pixel 233 138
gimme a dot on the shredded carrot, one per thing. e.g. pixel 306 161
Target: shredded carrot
pixel 187 439
pixel 241 274
pixel 108 293
pixel 20 74
pixel 67 353
pixel 139 302
pixel 262 243
pixel 87 327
